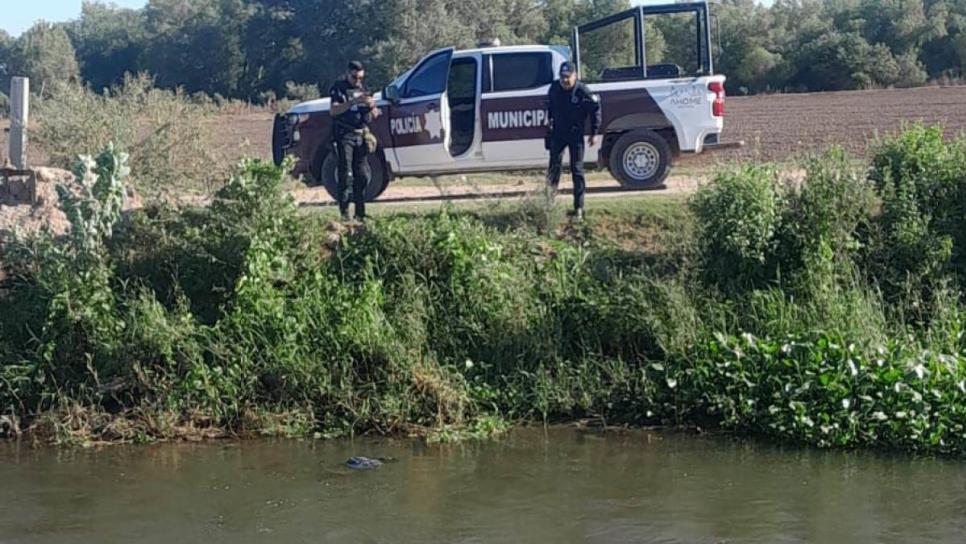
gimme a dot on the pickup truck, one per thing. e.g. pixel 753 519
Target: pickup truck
pixel 484 109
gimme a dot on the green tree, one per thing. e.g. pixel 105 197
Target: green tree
pixel 44 54
pixel 6 46
pixel 844 61
pixel 196 44
pixel 110 42
pixel 944 48
pixel 748 54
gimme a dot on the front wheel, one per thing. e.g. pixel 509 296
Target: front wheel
pixel 377 182
pixel 640 159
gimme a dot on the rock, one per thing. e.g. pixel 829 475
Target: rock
pixel 363 463
pixel 9 427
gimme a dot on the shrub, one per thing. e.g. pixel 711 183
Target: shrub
pixel 163 131
pixel 921 180
pixel 246 315
pixel 822 224
pixel 70 285
pixel 738 217
pixel 301 92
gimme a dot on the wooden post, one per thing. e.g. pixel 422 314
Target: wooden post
pixel 19 116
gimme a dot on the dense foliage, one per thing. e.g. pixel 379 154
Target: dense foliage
pixel 787 310
pixel 260 49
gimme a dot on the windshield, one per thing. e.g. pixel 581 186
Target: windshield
pixel 399 81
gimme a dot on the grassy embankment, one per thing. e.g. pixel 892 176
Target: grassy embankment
pixel 825 313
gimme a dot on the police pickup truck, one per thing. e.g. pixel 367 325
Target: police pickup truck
pixel 484 110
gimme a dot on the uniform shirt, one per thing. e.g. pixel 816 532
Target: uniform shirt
pixel 359 115
pixel 569 109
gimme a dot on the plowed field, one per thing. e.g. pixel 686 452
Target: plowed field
pixel 779 127
pixel 775 127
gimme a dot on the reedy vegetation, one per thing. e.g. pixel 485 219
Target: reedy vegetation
pixel 789 311
pixel 167 135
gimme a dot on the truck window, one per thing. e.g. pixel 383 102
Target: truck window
pixel 429 78
pixel 675 44
pixel 610 53
pixel 515 71
pixel 662 41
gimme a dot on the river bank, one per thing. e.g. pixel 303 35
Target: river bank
pixel 822 311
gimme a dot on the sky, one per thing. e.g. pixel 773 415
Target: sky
pixel 19 15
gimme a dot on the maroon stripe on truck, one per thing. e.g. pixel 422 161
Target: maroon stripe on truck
pixel 615 105
pixel 516 118
pixel 414 124
pixel 525 117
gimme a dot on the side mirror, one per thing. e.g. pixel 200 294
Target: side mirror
pixel 392 94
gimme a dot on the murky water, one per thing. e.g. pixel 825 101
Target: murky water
pixel 534 486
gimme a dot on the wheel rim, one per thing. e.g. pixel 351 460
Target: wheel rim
pixel 641 160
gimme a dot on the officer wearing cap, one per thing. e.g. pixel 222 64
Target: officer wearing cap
pixel 570 103
pixel 353 108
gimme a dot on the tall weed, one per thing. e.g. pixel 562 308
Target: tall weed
pixel 166 135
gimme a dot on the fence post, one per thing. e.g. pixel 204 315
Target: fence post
pixel 19 115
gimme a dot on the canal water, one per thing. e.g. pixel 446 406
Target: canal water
pixel 557 485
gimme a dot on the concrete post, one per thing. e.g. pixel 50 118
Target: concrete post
pixel 19 116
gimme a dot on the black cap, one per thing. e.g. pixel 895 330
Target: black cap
pixel 355 66
pixel 567 68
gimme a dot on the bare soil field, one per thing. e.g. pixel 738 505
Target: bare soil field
pixel 782 127
pixel 777 127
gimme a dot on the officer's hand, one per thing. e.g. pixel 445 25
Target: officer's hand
pixel 375 112
pixel 593 140
pixel 370 101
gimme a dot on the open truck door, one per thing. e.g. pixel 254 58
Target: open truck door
pixel 419 116
pixel 653 70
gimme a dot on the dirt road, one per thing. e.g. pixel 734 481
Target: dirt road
pixel 599 185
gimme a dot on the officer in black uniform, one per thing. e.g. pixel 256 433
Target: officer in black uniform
pixel 353 108
pixel 570 103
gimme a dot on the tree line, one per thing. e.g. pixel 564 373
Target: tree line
pixel 258 49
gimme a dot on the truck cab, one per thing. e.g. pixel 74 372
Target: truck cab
pixel 484 109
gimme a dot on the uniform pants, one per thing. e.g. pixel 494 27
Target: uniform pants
pixel 351 151
pixel 576 146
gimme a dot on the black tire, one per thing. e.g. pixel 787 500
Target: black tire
pixel 377 185
pixel 640 159
pixel 278 139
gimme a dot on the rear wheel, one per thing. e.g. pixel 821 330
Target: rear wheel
pixel 640 159
pixel 377 184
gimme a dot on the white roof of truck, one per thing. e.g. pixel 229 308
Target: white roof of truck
pixel 508 49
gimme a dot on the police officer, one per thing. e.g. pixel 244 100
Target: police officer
pixel 353 108
pixel 570 103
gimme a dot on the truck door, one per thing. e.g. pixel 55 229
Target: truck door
pixel 513 109
pixel 419 120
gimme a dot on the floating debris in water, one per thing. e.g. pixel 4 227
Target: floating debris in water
pixel 363 463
